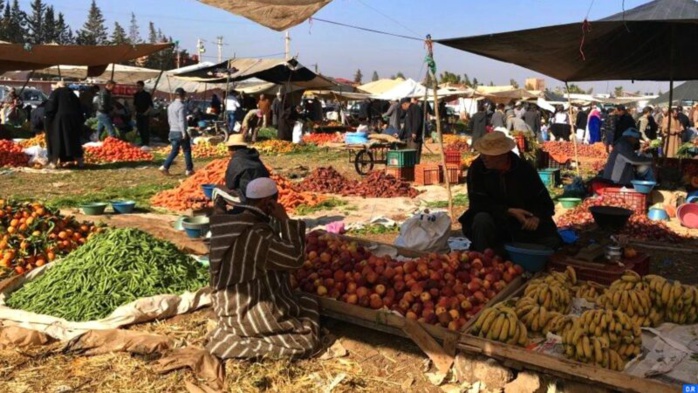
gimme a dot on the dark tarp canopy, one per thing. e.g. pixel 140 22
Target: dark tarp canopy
pixel 687 91
pixel 270 70
pixel 20 57
pixel 655 41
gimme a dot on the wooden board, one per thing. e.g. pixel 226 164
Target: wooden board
pixel 562 367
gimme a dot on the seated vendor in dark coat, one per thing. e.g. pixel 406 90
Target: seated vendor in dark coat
pixel 244 166
pixel 508 200
pixel 625 164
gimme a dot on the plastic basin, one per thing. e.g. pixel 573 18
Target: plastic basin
pixel 193 232
pixel 208 190
pixel 688 215
pixel 178 223
pixel 643 186
pixel 569 203
pixel 123 207
pixel 609 217
pixel 532 257
pixel 656 214
pixel 93 209
pixel 199 223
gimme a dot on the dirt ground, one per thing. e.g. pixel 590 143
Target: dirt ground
pixel 376 362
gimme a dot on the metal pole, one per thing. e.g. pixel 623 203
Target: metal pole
pixel 287 42
pixel 31 73
pixel 219 43
pixel 572 129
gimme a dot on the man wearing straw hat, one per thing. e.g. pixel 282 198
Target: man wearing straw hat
pixel 244 165
pixel 508 200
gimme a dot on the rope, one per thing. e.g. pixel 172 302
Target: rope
pixel 389 18
pixel 366 29
pixel 586 28
pixel 589 10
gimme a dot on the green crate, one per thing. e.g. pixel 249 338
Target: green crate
pixel 550 176
pixel 402 158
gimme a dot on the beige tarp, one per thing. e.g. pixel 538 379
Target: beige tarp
pixel 380 86
pixel 122 73
pixel 138 311
pixel 18 57
pixel 274 14
pixel 503 92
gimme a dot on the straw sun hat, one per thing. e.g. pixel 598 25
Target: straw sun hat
pixel 494 144
pixel 236 140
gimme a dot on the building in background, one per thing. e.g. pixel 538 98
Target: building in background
pixel 535 84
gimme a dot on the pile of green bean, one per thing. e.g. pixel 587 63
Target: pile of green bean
pixel 112 269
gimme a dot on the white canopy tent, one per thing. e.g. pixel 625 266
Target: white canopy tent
pixel 122 74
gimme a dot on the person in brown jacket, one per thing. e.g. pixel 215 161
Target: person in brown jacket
pixel 672 137
pixel 264 105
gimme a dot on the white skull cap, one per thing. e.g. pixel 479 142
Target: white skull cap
pixel 261 188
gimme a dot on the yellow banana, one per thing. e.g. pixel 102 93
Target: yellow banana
pixel 586 346
pixel 598 354
pixel 497 326
pixel 504 332
pixel 487 323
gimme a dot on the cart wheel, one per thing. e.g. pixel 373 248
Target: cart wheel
pixel 363 162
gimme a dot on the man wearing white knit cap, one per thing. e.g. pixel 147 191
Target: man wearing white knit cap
pixel 257 313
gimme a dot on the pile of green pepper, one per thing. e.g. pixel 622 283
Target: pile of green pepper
pixel 114 268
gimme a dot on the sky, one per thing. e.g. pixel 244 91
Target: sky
pixel 340 52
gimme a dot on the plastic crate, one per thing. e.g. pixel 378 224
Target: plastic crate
pixel 546 161
pixel 404 173
pixel 452 156
pixel 604 274
pixel 453 173
pixel 402 158
pixel 636 200
pixel 550 176
pixel 426 174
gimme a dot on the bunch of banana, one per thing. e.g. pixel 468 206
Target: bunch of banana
pixel 560 326
pixel 589 349
pixel 629 280
pixel 680 302
pixel 567 279
pixel 634 302
pixel 533 315
pixel 655 284
pixel 614 326
pixel 554 323
pixel 551 294
pixel 501 324
pixel 589 291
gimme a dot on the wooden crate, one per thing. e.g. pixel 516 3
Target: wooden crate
pixel 401 173
pixel 452 174
pixel 427 174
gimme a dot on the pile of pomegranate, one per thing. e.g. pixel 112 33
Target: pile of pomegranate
pixel 374 185
pixel 438 289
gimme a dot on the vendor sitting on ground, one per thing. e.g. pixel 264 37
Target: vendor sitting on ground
pixel 625 164
pixel 508 201
pixel 243 167
pixel 257 313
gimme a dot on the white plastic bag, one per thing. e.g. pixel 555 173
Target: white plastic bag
pixel 37 155
pixel 426 232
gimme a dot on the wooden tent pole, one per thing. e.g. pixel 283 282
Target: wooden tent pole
pixel 113 65
pixel 671 95
pixel 572 129
pixel 435 83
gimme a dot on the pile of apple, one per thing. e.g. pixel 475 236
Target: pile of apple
pixel 443 289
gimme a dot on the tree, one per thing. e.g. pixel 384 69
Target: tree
pixel 400 75
pixel 152 33
pixel 491 83
pixel 618 91
pixel 475 83
pixel 14 23
pixel 358 77
pixel 466 80
pixel 449 77
pixel 375 76
pixel 659 92
pixel 134 35
pixel 93 31
pixel 50 32
pixel 575 89
pixel 118 35
pixel 64 34
pixel 35 23
pixel 513 83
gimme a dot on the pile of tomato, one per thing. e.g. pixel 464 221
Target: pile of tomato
pixel 115 150
pixel 32 235
pixel 12 154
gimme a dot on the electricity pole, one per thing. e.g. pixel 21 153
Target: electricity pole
pixel 219 43
pixel 200 49
pixel 287 39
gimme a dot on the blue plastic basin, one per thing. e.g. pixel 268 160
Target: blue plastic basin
pixel 643 186
pixel 193 232
pixel 208 190
pixel 658 214
pixel 123 207
pixel 532 257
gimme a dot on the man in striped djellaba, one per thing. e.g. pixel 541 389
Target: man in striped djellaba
pixel 257 313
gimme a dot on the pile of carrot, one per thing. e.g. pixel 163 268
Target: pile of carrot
pixel 12 154
pixel 189 194
pixel 115 150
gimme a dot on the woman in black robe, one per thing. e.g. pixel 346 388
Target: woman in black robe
pixel 64 121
